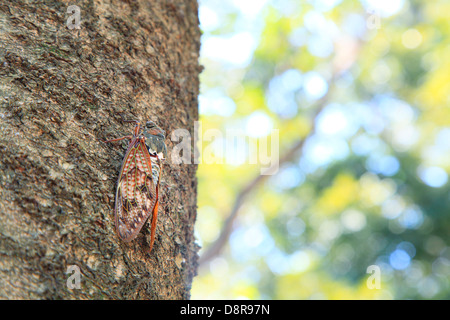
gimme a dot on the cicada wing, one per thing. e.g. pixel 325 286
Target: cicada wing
pixel 136 195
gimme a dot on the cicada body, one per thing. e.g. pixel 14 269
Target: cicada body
pixel 139 179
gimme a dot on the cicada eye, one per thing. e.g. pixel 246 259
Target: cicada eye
pixel 150 124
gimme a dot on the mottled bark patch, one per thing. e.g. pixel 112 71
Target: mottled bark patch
pixel 61 92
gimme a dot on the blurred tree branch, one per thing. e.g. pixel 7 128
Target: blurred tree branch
pixel 345 55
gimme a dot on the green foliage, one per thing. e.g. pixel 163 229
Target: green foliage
pixel 371 184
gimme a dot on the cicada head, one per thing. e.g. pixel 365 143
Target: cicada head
pixel 155 137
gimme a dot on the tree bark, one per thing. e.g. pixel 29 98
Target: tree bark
pixel 62 91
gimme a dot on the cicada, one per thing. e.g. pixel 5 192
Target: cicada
pixel 139 179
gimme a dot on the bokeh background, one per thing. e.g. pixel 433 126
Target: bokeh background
pixel 365 85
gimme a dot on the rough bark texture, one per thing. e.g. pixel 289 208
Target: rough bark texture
pixel 61 92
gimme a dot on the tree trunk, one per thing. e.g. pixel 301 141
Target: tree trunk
pixel 62 91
